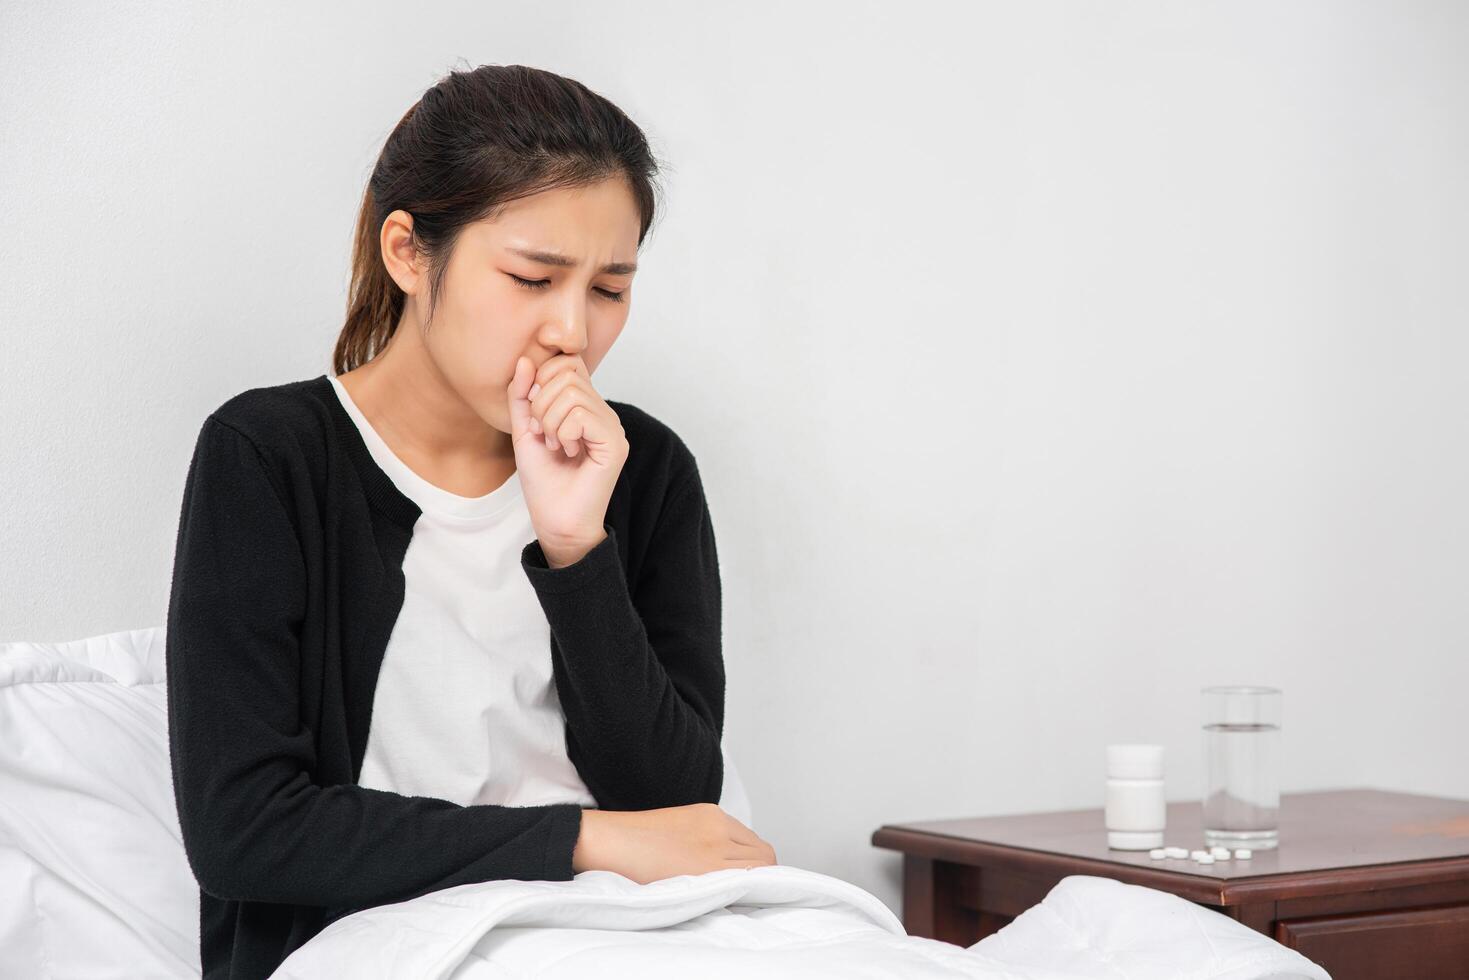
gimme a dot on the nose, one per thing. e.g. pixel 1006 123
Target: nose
pixel 567 331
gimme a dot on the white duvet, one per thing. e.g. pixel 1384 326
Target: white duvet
pixel 776 922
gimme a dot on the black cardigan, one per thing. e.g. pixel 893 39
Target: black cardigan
pixel 286 582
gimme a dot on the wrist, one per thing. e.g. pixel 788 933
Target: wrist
pixel 584 855
pixel 560 553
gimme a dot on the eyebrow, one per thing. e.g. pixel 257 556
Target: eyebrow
pixel 551 258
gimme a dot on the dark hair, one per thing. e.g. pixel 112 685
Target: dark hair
pixel 474 142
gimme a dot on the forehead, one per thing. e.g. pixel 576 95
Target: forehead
pixel 591 222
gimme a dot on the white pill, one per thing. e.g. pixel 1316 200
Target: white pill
pixel 1205 859
pixel 1198 854
pixel 1157 854
pixel 1220 853
pixel 1243 853
pixel 1176 852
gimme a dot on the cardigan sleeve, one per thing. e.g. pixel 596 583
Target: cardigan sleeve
pixel 640 672
pixel 255 824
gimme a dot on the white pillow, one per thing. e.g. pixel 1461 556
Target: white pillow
pixel 93 877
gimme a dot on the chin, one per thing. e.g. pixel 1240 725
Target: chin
pixel 499 424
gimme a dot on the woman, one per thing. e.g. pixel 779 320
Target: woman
pixel 450 616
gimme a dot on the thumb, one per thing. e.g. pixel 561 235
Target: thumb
pixel 519 390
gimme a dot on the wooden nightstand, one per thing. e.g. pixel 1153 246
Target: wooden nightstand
pixel 1367 883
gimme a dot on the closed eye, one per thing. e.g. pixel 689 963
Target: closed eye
pixel 543 283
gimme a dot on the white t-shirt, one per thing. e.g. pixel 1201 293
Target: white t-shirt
pixel 465 707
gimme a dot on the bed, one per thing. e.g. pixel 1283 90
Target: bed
pixel 94 882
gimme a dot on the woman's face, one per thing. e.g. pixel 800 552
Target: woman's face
pixel 503 296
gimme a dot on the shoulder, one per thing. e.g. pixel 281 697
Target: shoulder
pixel 656 452
pixel 287 418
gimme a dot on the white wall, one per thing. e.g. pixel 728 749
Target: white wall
pixel 1045 362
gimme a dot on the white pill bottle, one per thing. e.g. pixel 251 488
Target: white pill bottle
pixel 1136 811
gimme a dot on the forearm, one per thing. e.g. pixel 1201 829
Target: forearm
pixel 639 741
pixel 644 711
pixel 357 847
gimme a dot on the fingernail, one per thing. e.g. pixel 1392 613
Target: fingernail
pixel 535 389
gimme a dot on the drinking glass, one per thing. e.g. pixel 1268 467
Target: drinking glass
pixel 1242 766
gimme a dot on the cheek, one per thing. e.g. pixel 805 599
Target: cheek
pixel 491 317
pixel 495 300
pixel 478 345
pixel 608 332
pixel 599 343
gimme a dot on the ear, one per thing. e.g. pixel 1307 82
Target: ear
pixel 403 261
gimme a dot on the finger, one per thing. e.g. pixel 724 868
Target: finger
pixel 518 392
pixel 583 429
pixel 573 429
pixel 744 856
pixel 763 849
pixel 754 848
pixel 557 368
pixel 535 423
pixel 545 395
pixel 561 362
pixel 568 396
pixel 748 860
pixel 739 832
pixel 765 856
pixel 542 376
